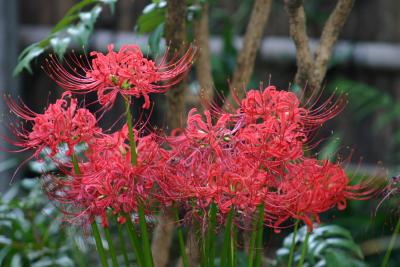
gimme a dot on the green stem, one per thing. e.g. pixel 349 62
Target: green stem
pixel 252 243
pixel 75 163
pixel 211 234
pixel 95 229
pixel 233 247
pixel 304 249
pixel 260 232
pixel 99 245
pixel 130 132
pixel 134 241
pixel 227 239
pixel 111 247
pixel 182 247
pixel 145 237
pixel 296 225
pixel 148 258
pixel 123 246
pixel 391 245
pixel 77 254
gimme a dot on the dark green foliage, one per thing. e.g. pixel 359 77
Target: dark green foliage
pixel 76 26
pixel 152 21
pixel 328 245
pixel 31 231
pixel 365 101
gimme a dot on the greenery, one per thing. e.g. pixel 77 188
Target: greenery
pixel 32 230
pixel 77 25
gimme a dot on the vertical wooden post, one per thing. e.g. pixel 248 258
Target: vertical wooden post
pixel 8 59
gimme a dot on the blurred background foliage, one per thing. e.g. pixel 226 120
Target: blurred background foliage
pixel 33 233
pixel 31 230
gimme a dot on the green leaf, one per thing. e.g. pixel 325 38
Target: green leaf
pixel 4 253
pixel 336 258
pixel 16 261
pixel 327 231
pixel 155 39
pixel 25 61
pixel 329 150
pixel 150 19
pixel 76 25
pixel 80 33
pixel 345 244
pixel 4 240
pixel 327 244
pixel 111 4
pixel 60 45
pixel 89 18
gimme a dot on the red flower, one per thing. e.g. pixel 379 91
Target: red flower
pixel 108 182
pixel 256 157
pixel 126 72
pixel 319 186
pixel 61 123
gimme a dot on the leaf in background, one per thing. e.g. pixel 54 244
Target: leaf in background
pixel 89 18
pixel 32 233
pixel 155 39
pixel 77 25
pixel 80 33
pixel 4 240
pixel 330 148
pixel 111 4
pixel 366 101
pixel 328 245
pixel 153 15
pixel 26 58
pixel 60 45
pixel 16 261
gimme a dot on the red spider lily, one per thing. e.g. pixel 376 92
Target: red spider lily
pixel 193 153
pixel 319 186
pixel 254 157
pixel 287 109
pixel 61 123
pixel 126 72
pixel 108 182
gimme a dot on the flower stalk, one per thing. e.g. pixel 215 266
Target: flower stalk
pixel 226 247
pixel 99 245
pixel 130 131
pixel 123 246
pixel 304 249
pixel 148 258
pixel 95 229
pixel 292 248
pixel 182 247
pixel 391 245
pixel 134 240
pixel 111 247
pixel 260 232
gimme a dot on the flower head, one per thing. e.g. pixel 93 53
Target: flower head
pixel 126 72
pixel 107 181
pixel 61 123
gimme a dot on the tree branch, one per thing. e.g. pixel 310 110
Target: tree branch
pixel 298 32
pixel 175 35
pixel 203 60
pixel 311 69
pixel 192 249
pixel 162 238
pixel 329 37
pixel 251 43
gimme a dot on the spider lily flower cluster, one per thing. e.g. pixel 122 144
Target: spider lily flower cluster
pixel 255 156
pixel 234 161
